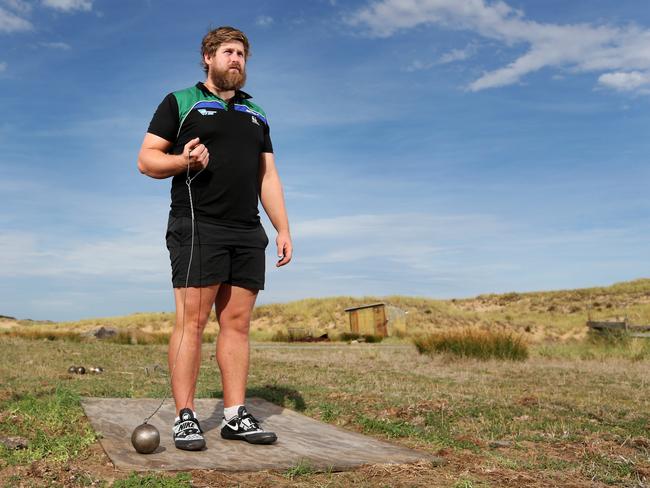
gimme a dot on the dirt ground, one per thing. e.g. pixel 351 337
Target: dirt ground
pixel 548 421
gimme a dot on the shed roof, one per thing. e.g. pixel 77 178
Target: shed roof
pixel 365 306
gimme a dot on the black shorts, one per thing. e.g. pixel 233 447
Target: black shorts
pixel 221 254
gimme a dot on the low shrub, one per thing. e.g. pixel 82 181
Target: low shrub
pixel 351 336
pixel 127 336
pixel 294 334
pixel 372 338
pixel 609 337
pixel 297 335
pixel 280 336
pixel 480 344
pixel 134 336
pixel 41 334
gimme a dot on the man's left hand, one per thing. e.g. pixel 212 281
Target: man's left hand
pixel 285 249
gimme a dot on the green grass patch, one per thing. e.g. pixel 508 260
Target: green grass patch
pixel 608 469
pixel 53 424
pixel 180 480
pixel 464 483
pixel 390 428
pixel 474 343
pixel 328 411
pixel 303 468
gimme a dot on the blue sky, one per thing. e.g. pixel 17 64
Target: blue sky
pixel 438 148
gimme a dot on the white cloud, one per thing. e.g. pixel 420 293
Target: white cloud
pixel 132 256
pixel 10 22
pixel 64 46
pixel 56 45
pixel 69 5
pixel 387 226
pixel 264 20
pixel 417 65
pixel 291 193
pixel 3 67
pixel 84 277
pixel 457 54
pixel 19 6
pixel 107 239
pixel 622 81
pixel 15 246
pixel 414 241
pixel 577 47
pixel 448 57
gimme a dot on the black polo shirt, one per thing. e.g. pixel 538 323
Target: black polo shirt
pixel 235 132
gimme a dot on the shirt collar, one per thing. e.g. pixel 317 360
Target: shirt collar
pixel 239 94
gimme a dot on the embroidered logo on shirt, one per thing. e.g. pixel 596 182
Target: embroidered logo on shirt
pixel 254 119
pixel 203 111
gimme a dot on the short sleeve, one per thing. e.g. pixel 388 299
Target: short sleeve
pixel 165 121
pixel 267 146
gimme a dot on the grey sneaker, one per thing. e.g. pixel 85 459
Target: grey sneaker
pixel 187 432
pixel 245 427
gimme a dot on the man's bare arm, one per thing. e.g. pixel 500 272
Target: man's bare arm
pixel 272 198
pixel 154 161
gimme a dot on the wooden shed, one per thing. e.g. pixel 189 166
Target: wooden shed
pixel 368 319
pixel 396 318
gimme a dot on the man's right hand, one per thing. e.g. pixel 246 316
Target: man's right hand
pixel 195 155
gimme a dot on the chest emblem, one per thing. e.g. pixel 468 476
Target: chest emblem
pixel 203 111
pixel 254 119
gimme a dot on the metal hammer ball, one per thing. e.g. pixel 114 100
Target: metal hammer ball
pixel 145 438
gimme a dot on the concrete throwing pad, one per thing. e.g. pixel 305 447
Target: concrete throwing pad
pixel 300 439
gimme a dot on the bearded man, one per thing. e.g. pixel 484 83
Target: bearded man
pixel 216 145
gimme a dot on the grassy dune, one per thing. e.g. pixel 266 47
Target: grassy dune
pixel 537 316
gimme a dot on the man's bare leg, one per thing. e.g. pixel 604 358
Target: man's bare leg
pixel 234 306
pixel 197 306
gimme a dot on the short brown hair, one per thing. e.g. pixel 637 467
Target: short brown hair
pixel 218 36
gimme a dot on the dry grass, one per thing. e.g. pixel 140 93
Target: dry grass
pixel 575 414
pixel 127 336
pixel 42 334
pixel 561 420
pixel 537 316
pixel 473 343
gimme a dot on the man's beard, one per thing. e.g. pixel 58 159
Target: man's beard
pixel 228 80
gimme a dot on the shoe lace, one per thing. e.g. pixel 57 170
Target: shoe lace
pixel 190 426
pixel 253 424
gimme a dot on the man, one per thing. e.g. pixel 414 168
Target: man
pixel 216 145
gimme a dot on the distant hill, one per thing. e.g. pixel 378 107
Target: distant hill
pixel 540 315
pixel 549 315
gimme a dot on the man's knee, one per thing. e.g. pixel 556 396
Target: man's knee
pixel 193 321
pixel 237 320
pixel 193 305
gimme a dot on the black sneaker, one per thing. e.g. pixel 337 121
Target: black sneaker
pixel 187 432
pixel 245 427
